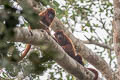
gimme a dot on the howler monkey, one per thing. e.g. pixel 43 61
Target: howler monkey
pixel 65 42
pixel 46 17
pixel 67 45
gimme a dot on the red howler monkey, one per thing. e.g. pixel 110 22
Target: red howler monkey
pixel 46 17
pixel 68 46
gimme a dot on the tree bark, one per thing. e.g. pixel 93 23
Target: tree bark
pixel 85 52
pixel 48 45
pixel 116 34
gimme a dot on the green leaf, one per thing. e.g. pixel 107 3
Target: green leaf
pixel 88 24
pixel 45 2
pixel 56 3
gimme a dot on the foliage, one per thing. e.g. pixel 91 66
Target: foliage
pixel 83 17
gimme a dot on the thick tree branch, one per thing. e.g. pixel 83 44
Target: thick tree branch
pixel 116 27
pixel 48 45
pixel 85 52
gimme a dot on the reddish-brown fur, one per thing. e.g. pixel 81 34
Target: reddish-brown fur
pixel 67 45
pixel 95 72
pixel 46 16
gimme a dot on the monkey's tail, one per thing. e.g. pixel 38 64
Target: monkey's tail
pixel 27 48
pixel 95 72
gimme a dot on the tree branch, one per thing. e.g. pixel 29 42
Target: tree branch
pixel 48 45
pixel 84 51
pixel 98 44
pixel 116 27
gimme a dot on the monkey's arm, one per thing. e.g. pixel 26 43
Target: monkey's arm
pixel 28 46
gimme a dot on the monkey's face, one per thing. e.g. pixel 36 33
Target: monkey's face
pixel 60 37
pixel 50 16
pixel 47 16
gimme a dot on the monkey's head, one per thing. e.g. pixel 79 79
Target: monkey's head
pixel 60 36
pixel 47 16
